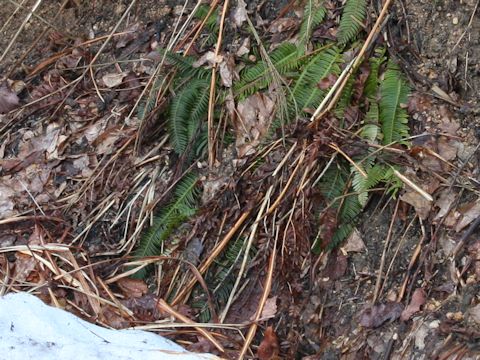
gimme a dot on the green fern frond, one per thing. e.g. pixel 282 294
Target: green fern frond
pixel 253 78
pixel 371 85
pixel 313 15
pixel 361 184
pixel 189 107
pixel 351 21
pixel 306 93
pixel 184 64
pixel 342 232
pixel 181 208
pixel 394 93
pixel 202 13
pixel 345 98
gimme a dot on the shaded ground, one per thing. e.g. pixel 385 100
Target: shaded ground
pixel 328 313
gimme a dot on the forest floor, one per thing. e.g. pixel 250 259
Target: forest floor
pixel 81 177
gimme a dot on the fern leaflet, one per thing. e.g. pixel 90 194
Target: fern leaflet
pixel 182 207
pixel 189 107
pixel 394 93
pixel 352 18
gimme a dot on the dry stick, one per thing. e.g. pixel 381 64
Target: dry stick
pixel 211 101
pixel 163 306
pixel 263 300
pixel 218 249
pixel 24 23
pixel 382 261
pixel 243 266
pixel 342 80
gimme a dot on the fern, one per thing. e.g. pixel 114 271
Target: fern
pixel 313 16
pixel 285 58
pixel 351 21
pixel 202 13
pixel 189 107
pixel 223 278
pixel 181 208
pixel 306 93
pixel 394 93
pixel 361 184
pixel 371 85
pixel 184 65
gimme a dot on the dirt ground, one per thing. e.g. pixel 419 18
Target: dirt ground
pixel 344 311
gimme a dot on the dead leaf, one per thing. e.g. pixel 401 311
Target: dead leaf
pixel 134 288
pixel 376 315
pixel 255 115
pixel 418 299
pixel 208 58
pixel 240 13
pixel 269 309
pixel 227 71
pixel 24 265
pixel 354 242
pixel 8 99
pixel 269 347
pixel 444 202
pixel 422 206
pixel 114 79
pixel 447 244
pixel 469 213
pixel 244 48
pixel 447 148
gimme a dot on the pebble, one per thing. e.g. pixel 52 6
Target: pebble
pixel 455 20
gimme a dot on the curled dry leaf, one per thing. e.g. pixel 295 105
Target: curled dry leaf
pixel 8 99
pixel 418 299
pixel 134 288
pixel 376 315
pixel 208 58
pixel 114 79
pixel 269 347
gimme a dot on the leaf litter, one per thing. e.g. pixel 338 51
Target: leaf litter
pixel 77 168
